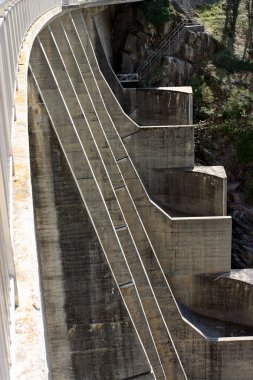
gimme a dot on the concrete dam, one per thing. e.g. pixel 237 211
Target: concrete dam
pixel 133 242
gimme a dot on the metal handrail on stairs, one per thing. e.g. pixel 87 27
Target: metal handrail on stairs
pixel 131 77
pixel 187 9
pixel 167 44
pixel 170 41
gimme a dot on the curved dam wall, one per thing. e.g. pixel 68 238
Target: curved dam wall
pixel 89 332
pixel 197 191
pixel 141 243
pixel 106 250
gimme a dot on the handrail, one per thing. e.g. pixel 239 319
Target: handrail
pixel 16 17
pixel 69 2
pixel 169 41
pixel 132 77
pixel 187 9
pixel 166 43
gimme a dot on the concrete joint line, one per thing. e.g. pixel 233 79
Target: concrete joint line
pixel 119 188
pixel 121 228
pixel 122 158
pixel 126 285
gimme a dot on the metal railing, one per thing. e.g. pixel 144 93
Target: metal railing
pixel 187 9
pixel 15 19
pixel 172 41
pixel 134 77
pixel 168 43
pixel 67 3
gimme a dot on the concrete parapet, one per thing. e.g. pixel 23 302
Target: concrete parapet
pixel 183 245
pixel 197 191
pixel 162 106
pixel 220 295
pixel 189 245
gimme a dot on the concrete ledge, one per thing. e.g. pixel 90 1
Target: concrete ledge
pixel 197 191
pixel 161 106
pixel 216 295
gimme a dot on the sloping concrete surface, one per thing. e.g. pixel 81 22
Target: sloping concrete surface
pixel 141 243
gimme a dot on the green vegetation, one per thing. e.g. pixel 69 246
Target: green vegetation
pixel 245 148
pixel 230 22
pixel 224 101
pixel 213 17
pixel 157 11
pixel 231 63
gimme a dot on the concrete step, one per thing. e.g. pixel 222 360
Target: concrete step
pixel 126 125
pixel 88 188
pixel 154 316
pixel 155 321
pixel 88 144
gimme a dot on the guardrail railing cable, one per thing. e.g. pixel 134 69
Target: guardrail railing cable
pixel 172 40
pixel 165 44
pixel 15 19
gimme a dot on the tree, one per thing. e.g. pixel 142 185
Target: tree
pixel 157 11
pixel 232 10
pixel 248 51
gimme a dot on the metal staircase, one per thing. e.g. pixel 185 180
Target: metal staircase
pixel 187 10
pixel 169 44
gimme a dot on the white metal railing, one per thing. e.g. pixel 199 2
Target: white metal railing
pixel 15 18
pixel 134 77
pixel 167 43
pixel 71 3
pixel 187 9
pixel 172 40
pixel 66 3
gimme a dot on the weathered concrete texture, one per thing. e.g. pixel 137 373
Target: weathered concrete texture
pixel 198 191
pixel 90 194
pixel 160 148
pixel 103 25
pixel 216 295
pixel 214 371
pixel 142 244
pixel 163 106
pixel 89 333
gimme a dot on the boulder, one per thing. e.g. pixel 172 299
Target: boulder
pixel 198 46
pixel 175 71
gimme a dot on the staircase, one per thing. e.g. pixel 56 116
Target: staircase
pixel 97 158
pixel 169 45
pixel 187 10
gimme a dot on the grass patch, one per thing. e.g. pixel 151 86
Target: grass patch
pixel 213 17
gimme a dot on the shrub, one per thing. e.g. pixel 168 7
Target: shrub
pixel 245 147
pixel 232 64
pixel 238 103
pixel 157 11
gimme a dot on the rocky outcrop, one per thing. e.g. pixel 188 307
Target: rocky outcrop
pixel 198 46
pixel 175 71
pixel 215 148
pixel 133 37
